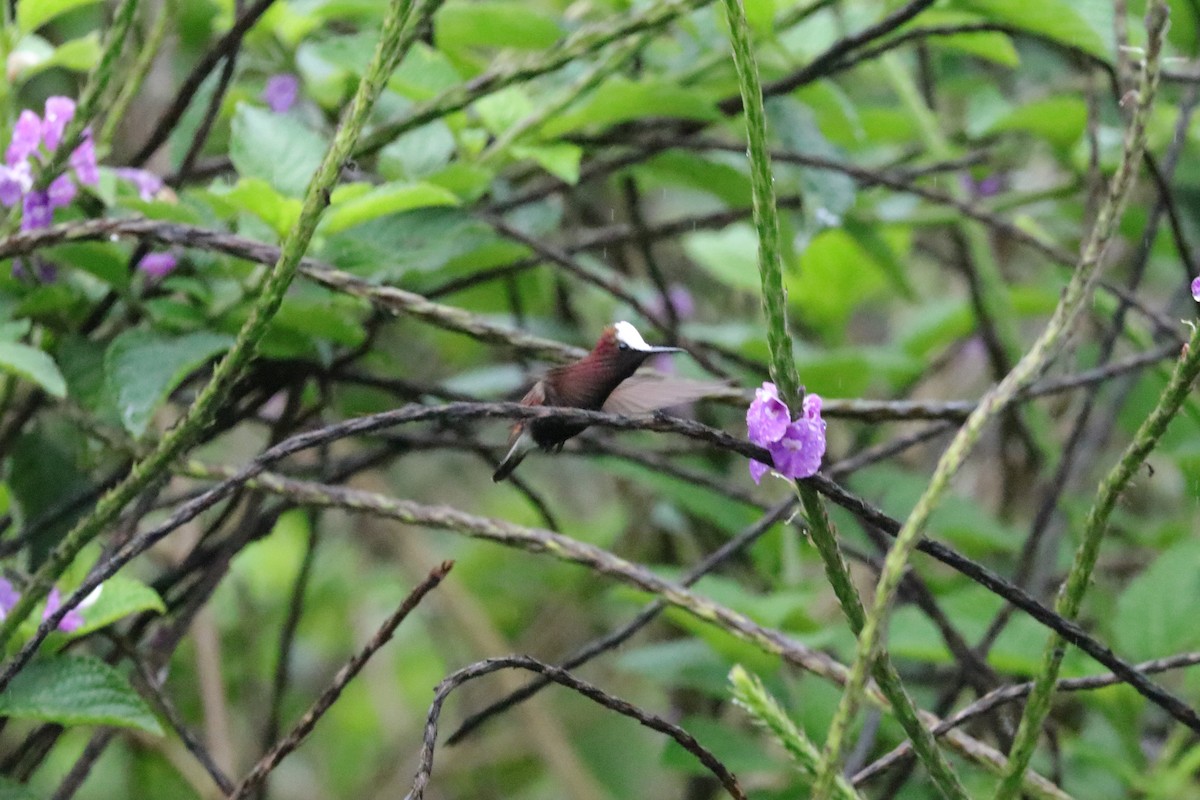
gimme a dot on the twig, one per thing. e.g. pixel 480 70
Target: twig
pixel 189 89
pixel 561 676
pixel 346 674
pixel 622 634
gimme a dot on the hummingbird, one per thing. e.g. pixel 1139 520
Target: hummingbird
pixel 603 380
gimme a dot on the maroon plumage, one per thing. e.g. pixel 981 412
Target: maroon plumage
pixel 602 380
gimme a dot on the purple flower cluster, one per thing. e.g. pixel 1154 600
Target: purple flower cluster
pixel 71 621
pixel 35 138
pixel 1196 289
pixel 796 446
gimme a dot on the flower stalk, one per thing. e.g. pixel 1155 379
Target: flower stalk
pixel 783 372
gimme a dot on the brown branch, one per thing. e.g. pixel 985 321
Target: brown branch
pixel 346 674
pixel 593 693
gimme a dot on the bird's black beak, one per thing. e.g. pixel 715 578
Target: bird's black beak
pixel 664 350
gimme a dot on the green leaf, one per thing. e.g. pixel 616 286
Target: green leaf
pixel 107 262
pixel 729 255
pixel 418 153
pixel 424 239
pixel 621 100
pixel 142 368
pixel 119 597
pixel 391 198
pixel 1152 609
pixel 1054 19
pixel 485 23
pixel 560 160
pixel 33 14
pixel 1059 120
pixel 275 148
pixel 257 197
pixel 78 55
pixel 33 365
pixel 76 690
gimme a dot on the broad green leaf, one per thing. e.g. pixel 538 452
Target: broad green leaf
pixel 994 46
pixel 1059 120
pixel 418 153
pixel 391 198
pixel 716 175
pixel 257 197
pixel 560 160
pixel 78 55
pixel 501 110
pixel 423 73
pixel 729 255
pixel 142 368
pixel 33 14
pixel 1152 609
pixel 108 262
pixel 487 23
pixel 621 100
pixel 119 597
pixel 835 275
pixel 276 148
pixel 1054 19
pixel 33 365
pixel 49 486
pixel 76 690
pixel 423 239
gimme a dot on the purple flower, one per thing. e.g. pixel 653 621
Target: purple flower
pixel 83 161
pixel 147 183
pixel 59 112
pixel 36 211
pixel 768 417
pixel 61 191
pixel 680 299
pixel 797 447
pixel 1196 289
pixel 281 92
pixel 26 136
pixel 71 621
pixel 15 182
pixel 8 597
pixel 156 265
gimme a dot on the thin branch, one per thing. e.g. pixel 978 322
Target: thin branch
pixel 346 674
pixel 593 693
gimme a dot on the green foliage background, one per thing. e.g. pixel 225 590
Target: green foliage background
pixel 531 172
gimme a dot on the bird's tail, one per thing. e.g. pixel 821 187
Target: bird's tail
pixel 521 446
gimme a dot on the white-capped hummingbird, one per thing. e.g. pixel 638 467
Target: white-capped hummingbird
pixel 603 380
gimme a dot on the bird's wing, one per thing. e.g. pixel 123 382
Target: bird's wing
pixel 648 391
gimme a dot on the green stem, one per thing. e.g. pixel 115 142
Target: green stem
pixel 783 372
pixel 1070 594
pixel 924 743
pixel 1026 370
pixel 394 42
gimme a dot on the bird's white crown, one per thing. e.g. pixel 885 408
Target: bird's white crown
pixel 628 335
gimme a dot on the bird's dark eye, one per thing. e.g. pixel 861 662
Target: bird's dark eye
pixel 623 346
